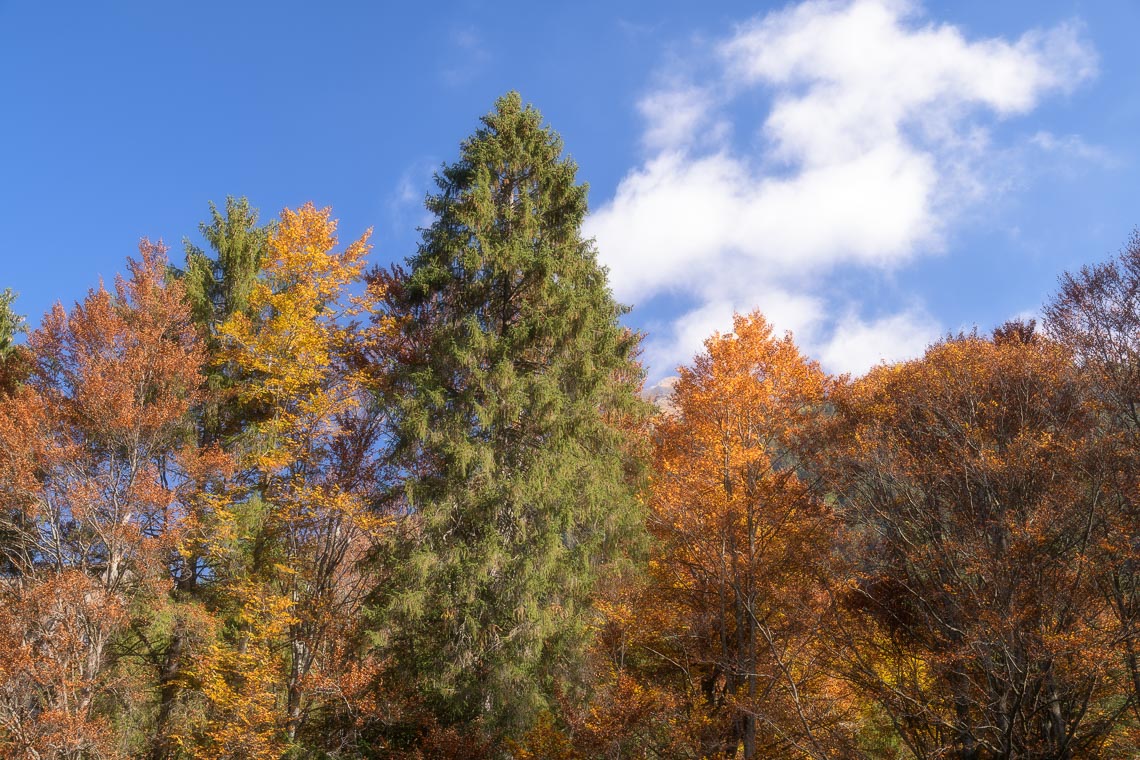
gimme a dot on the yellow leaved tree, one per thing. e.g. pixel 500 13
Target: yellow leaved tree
pixel 294 536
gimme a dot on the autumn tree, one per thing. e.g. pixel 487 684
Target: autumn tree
pixel 1096 314
pixel 742 544
pixel 94 460
pixel 521 475
pixel 296 536
pixel 216 285
pixel 972 492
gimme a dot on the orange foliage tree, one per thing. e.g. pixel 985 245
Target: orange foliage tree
pixel 718 652
pixel 1096 314
pixel 972 489
pixel 95 465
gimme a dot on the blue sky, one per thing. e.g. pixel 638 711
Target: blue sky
pixel 870 174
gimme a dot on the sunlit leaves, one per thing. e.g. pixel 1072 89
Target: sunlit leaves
pixel 972 488
pixel 311 471
pixel 743 542
pixel 96 495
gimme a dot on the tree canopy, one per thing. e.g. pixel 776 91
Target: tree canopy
pixel 282 503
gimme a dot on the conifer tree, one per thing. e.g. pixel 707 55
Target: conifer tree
pixel 517 423
pixel 11 324
pixel 218 287
pixel 13 362
pixel 14 367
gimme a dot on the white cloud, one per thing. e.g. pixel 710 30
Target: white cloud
pixel 856 345
pixel 674 116
pixel 407 190
pixel 676 218
pixel 876 136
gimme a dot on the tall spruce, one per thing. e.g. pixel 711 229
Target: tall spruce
pixel 220 285
pixel 13 358
pixel 518 421
pixel 15 364
pixel 217 287
pixel 11 324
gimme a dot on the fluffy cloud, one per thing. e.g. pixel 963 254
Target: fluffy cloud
pixel 876 125
pixel 674 116
pixel 856 345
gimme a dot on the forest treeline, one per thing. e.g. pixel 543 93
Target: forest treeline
pixel 282 504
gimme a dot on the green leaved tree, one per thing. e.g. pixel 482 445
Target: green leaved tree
pixel 519 424
pixel 11 324
pixel 217 287
pixel 14 366
pixel 220 285
pixel 13 361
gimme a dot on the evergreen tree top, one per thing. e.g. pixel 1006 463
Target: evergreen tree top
pixel 11 323
pixel 220 286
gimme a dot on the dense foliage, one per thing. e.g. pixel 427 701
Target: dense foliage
pixel 274 504
pixel 511 424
